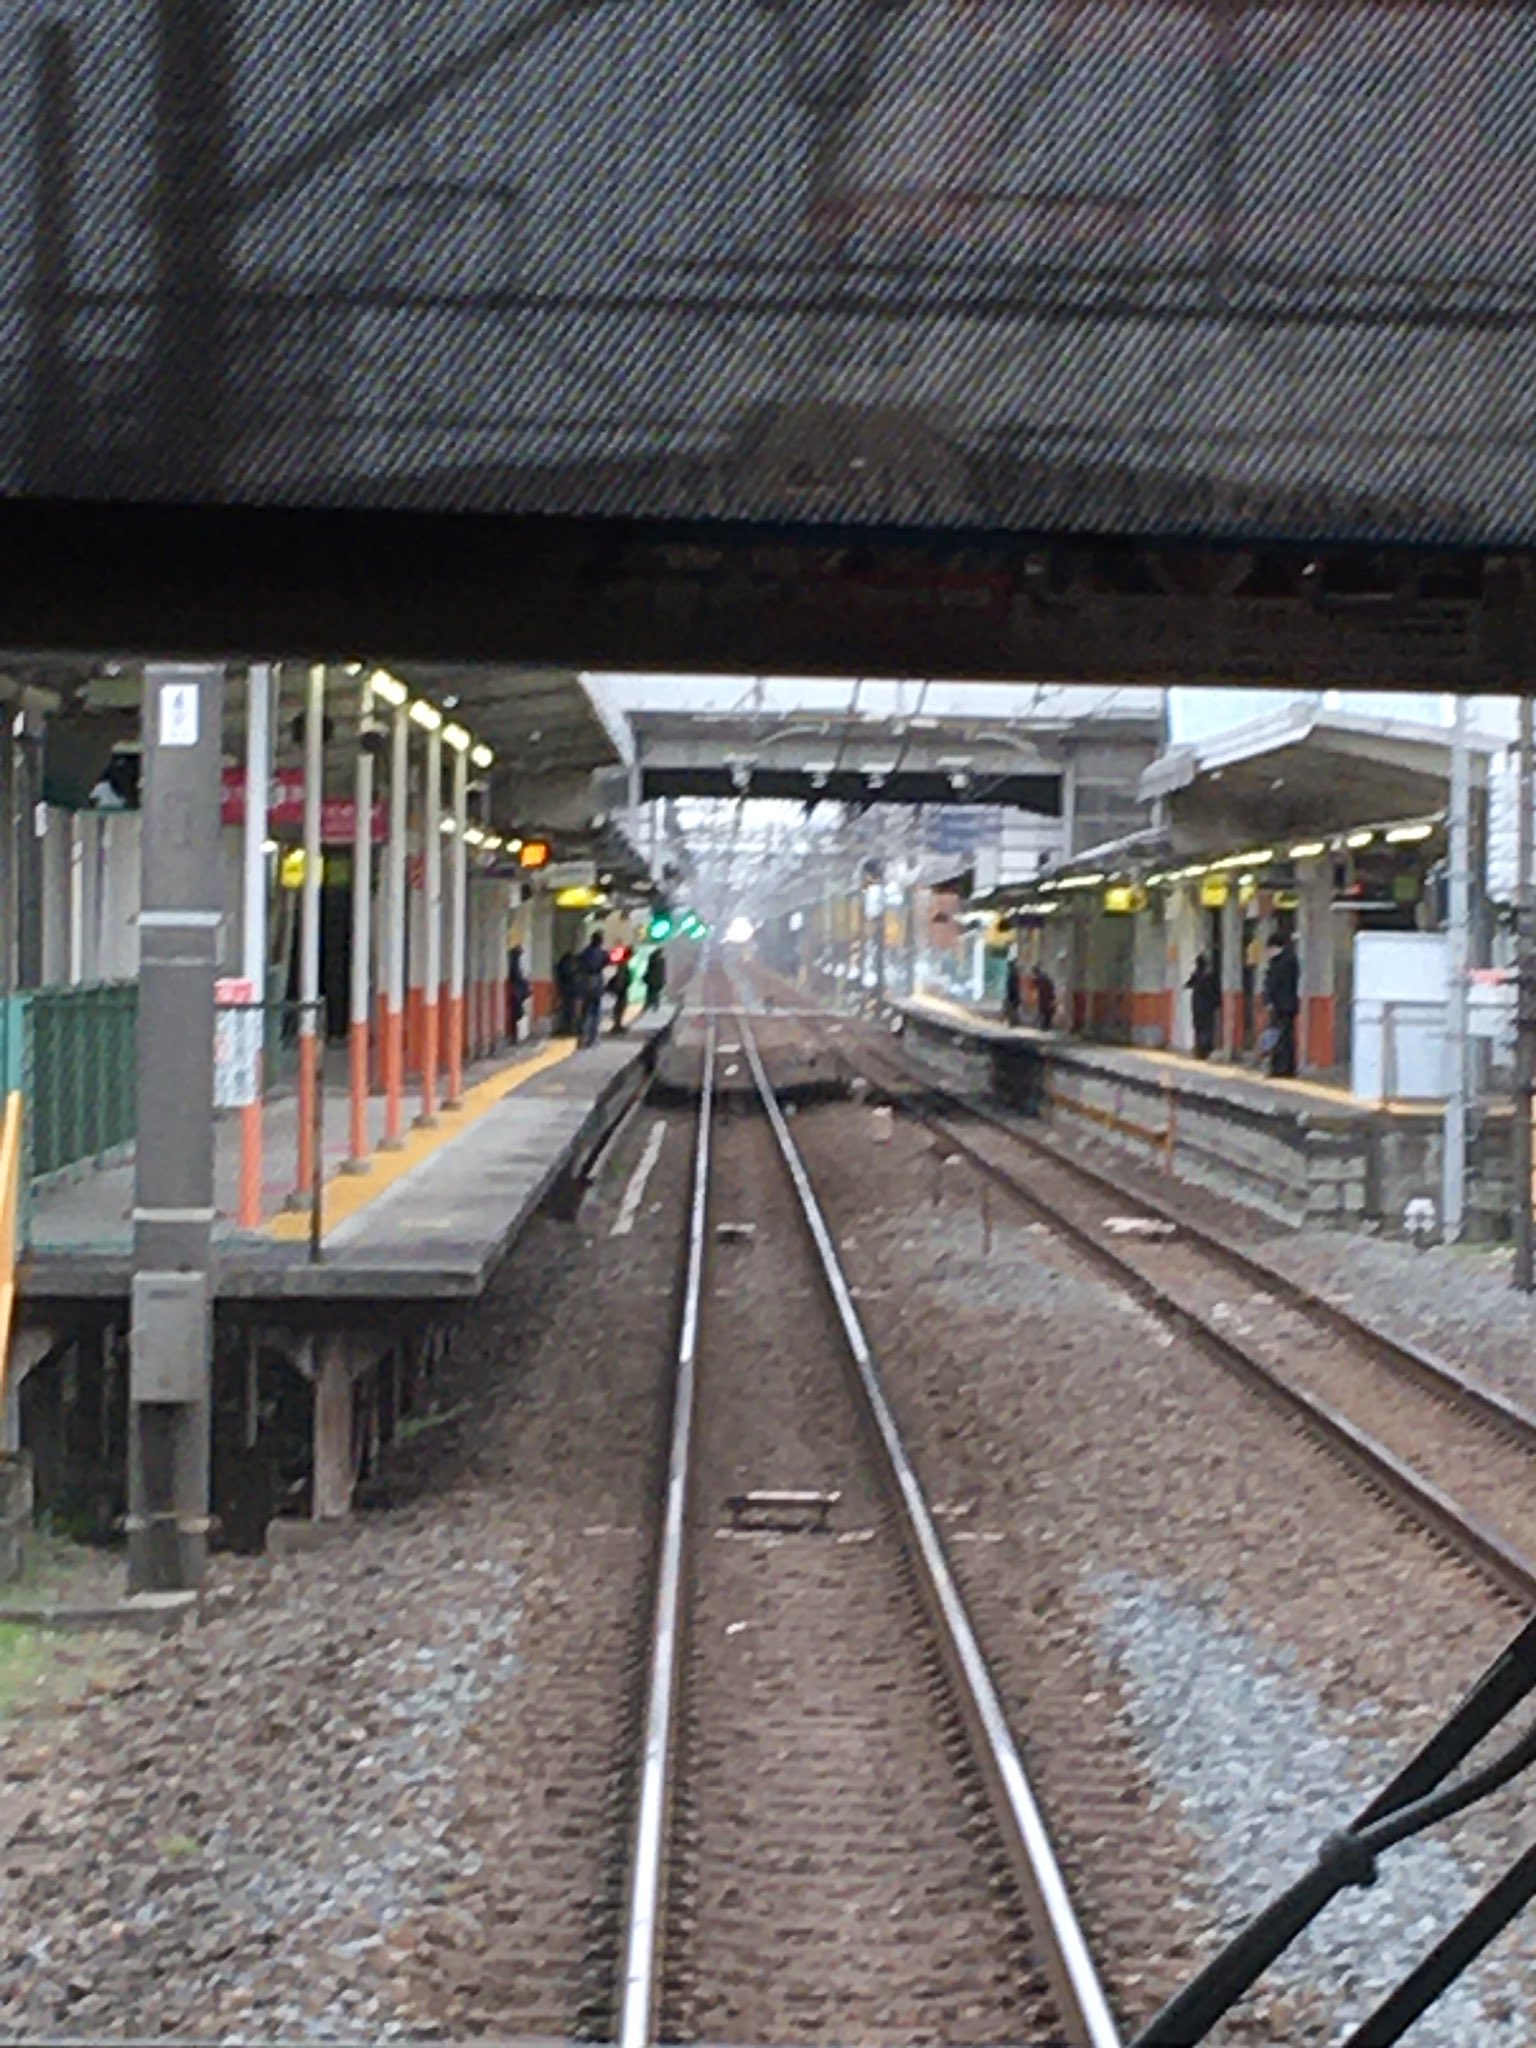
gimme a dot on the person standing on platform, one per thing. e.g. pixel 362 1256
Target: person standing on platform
pixel 1013 995
pixel 1045 999
pixel 1282 997
pixel 1205 1005
pixel 591 980
pixel 618 988
pixel 518 992
pixel 566 1020
pixel 655 979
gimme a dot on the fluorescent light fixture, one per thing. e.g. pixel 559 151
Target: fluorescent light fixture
pixel 492 841
pixel 514 846
pixel 446 828
pixel 1310 849
pixel 473 836
pixel 427 716
pixel 1082 881
pixel 387 689
pixel 1358 839
pixel 1408 835
pixel 269 846
pixel 481 756
pixel 456 737
pixel 1259 857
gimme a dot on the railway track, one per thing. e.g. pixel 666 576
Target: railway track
pixel 1458 1456
pixel 834 1831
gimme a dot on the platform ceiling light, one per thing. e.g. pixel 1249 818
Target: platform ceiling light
pixel 1082 881
pixel 473 836
pixel 1409 835
pixel 387 689
pixel 426 715
pixel 482 756
pixel 446 828
pixel 514 846
pixel 1259 857
pixel 456 737
pixel 1309 849
pixel 1356 840
pixel 492 841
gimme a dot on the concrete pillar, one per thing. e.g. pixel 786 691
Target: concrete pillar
pixel 541 953
pixel 311 1023
pixel 1315 940
pixel 1233 1023
pixel 171 1336
pixel 332 1466
pixel 458 917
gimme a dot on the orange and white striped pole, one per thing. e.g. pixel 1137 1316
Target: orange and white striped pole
pixel 458 927
pixel 388 691
pixel 310 1041
pixel 432 864
pixel 253 933
pixel 360 1022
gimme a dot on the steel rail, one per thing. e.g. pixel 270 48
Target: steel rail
pixel 1449 1383
pixel 645 1905
pixel 1511 1569
pixel 1068 1963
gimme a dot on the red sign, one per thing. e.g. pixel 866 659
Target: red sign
pixel 285 807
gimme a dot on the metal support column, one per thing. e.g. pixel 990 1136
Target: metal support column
pixel 171 1314
pixel 359 1030
pixel 432 976
pixel 8 857
pixel 311 1037
pixel 1454 1141
pixel 458 918
pixel 1525 1004
pixel 258 779
pixel 394 925
pixel 29 849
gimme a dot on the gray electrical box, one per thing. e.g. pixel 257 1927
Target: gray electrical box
pixel 171 1350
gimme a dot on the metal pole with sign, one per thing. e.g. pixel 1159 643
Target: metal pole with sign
pixel 171 1314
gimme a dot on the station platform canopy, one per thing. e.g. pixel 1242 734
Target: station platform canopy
pixel 1303 772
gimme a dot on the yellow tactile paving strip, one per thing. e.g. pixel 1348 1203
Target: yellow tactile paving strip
pixel 346 1194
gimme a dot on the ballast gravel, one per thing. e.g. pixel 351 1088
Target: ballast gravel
pixel 1264 1772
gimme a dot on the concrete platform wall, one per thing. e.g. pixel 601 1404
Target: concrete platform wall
pixel 1348 1170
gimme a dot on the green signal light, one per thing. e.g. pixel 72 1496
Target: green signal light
pixel 660 928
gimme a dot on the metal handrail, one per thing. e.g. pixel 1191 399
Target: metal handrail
pixel 645 1914
pixel 10 1206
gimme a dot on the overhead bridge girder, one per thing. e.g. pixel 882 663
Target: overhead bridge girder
pixel 1027 792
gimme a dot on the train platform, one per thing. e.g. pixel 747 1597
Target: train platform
pixel 1304 1150
pixel 423 1224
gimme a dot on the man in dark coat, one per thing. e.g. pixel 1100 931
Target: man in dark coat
pixel 518 992
pixel 655 979
pixel 565 995
pixel 1013 994
pixel 1282 998
pixel 1045 999
pixel 1205 1004
pixel 591 980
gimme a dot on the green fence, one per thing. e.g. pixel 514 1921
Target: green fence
pixel 73 1054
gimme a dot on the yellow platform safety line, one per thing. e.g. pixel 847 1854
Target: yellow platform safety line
pixel 345 1195
pixel 10 1214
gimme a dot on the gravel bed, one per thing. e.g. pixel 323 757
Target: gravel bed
pixel 379 1790
pixel 1075 1438
pixel 1221 1710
